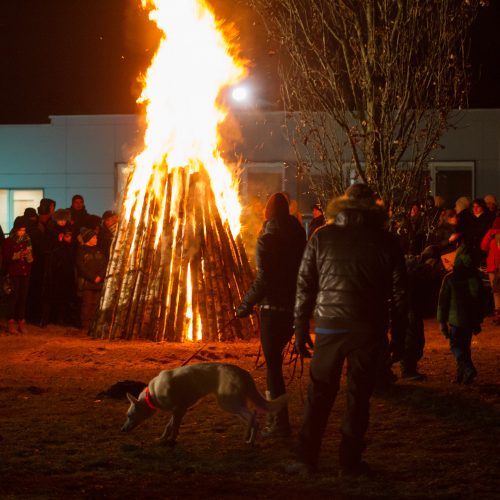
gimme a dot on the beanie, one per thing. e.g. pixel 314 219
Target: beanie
pixel 61 214
pixel 30 212
pixel 86 234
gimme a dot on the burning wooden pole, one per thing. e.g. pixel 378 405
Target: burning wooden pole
pixel 176 273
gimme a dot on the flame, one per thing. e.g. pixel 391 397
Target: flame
pixel 193 63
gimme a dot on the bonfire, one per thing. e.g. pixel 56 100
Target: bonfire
pixel 178 268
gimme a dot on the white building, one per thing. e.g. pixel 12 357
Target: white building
pixel 87 155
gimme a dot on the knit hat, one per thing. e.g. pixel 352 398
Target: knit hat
pixel 86 234
pixel 61 214
pixel 20 222
pixel 30 212
pixel 107 214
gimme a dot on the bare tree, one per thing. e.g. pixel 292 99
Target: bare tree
pixel 372 85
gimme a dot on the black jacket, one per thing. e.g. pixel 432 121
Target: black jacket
pixel 90 263
pixel 279 252
pixel 350 271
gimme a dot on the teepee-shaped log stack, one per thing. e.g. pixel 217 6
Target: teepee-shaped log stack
pixel 180 281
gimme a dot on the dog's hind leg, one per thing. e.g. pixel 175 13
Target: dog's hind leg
pixel 171 431
pixel 250 418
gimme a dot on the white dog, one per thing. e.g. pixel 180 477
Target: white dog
pixel 179 389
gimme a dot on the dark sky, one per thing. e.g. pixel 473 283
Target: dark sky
pixel 84 56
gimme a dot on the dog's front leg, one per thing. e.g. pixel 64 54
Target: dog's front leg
pixel 171 431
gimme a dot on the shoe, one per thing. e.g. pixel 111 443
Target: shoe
pixel 414 376
pixel 21 326
pixel 354 470
pixel 12 327
pixel 300 469
pixel 276 431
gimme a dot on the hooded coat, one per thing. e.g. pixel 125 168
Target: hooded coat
pixel 461 295
pixel 351 269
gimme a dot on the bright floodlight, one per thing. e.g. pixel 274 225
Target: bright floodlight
pixel 240 94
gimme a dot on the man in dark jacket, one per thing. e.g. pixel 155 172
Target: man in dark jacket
pixel 351 270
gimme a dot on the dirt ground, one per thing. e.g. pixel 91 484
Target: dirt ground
pixel 60 439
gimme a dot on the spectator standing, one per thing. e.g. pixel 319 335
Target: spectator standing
pixel 491 203
pixel 412 231
pixel 460 311
pixel 78 214
pixel 447 226
pixel 17 258
pixel 491 245
pixel 482 222
pixel 351 268
pixel 108 231
pixel 63 299
pixel 279 251
pixel 91 266
pixel 318 219
pixel 39 293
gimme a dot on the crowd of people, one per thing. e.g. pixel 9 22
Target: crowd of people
pixel 363 288
pixel 54 263
pixel 356 283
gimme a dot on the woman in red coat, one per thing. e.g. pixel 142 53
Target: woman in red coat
pixel 17 259
pixel 491 244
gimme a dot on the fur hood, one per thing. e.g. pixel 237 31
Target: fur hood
pixel 344 211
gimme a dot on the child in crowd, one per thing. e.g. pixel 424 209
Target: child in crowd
pixel 460 312
pixel 17 259
pixel 91 269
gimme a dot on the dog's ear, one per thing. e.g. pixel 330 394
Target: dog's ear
pixel 131 398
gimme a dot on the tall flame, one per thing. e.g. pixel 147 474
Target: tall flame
pixel 192 64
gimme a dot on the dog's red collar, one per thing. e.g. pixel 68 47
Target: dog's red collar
pixel 148 399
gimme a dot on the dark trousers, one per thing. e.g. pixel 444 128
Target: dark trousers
pixel 90 303
pixel 16 308
pixel 460 341
pixel 276 330
pixel 414 343
pixel 362 351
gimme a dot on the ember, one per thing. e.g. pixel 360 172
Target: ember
pixel 178 267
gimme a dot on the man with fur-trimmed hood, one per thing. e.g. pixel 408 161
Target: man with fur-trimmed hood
pixel 351 270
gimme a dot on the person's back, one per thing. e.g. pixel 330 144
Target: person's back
pixel 350 270
pixel 460 311
pixel 354 257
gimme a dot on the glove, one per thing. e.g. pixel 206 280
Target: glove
pixel 302 341
pixel 476 330
pixel 244 310
pixel 444 330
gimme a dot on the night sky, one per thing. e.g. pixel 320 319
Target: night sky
pixel 84 56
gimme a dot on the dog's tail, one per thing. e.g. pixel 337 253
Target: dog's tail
pixel 275 405
pixel 266 405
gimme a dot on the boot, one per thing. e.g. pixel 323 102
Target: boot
pixel 12 327
pixel 21 326
pixel 278 425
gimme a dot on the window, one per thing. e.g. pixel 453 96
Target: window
pixel 13 202
pixel 451 180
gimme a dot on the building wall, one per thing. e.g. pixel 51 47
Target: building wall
pixel 79 154
pixel 72 154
